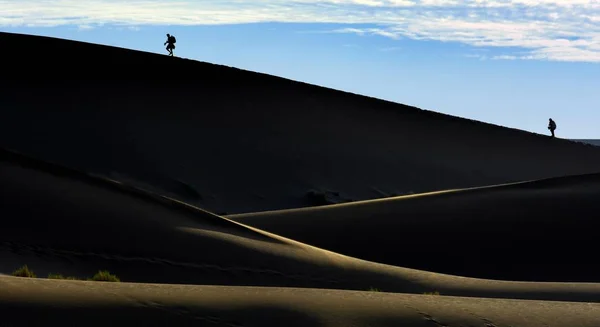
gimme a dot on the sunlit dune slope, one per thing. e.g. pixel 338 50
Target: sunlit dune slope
pixel 544 230
pixel 57 220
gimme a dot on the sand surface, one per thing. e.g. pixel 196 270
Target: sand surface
pixel 58 221
pixel 100 304
pixel 130 174
pixel 592 142
pixel 233 141
pixel 543 230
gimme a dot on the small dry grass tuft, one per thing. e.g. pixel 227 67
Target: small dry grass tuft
pixel 105 276
pixel 24 272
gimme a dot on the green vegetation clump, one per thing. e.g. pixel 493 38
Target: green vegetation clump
pixel 105 276
pixel 59 276
pixel 100 276
pixel 373 289
pixel 24 272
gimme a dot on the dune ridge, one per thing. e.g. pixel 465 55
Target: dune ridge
pixel 121 168
pixel 592 142
pixel 541 230
pixel 60 219
pixel 232 141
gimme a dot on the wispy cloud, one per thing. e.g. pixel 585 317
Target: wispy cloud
pixel 479 56
pixel 390 49
pixel 506 57
pixel 563 30
pixel 84 27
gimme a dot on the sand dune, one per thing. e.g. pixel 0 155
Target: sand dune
pixel 543 230
pixel 60 221
pixel 592 142
pixel 233 141
pixel 100 304
pixel 110 166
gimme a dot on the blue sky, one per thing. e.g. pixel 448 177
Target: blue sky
pixel 509 62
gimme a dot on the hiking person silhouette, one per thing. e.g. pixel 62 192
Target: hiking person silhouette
pixel 170 43
pixel 551 126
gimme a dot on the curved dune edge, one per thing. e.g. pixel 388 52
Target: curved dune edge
pixel 540 230
pixel 534 183
pixel 59 222
pixel 44 302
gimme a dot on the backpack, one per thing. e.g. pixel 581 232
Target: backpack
pixel 173 39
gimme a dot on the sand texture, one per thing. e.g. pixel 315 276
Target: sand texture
pixel 233 198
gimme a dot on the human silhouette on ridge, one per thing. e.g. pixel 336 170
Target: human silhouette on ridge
pixel 170 44
pixel 551 126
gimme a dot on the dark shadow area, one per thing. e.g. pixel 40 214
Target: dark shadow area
pixel 62 171
pixel 536 231
pixel 217 135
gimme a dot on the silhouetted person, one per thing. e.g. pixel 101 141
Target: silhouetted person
pixel 170 44
pixel 551 126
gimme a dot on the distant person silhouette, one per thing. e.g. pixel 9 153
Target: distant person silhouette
pixel 170 43
pixel 551 126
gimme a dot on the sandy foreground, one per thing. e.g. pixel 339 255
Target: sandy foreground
pixel 26 302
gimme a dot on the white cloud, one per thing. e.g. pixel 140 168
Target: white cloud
pixel 562 30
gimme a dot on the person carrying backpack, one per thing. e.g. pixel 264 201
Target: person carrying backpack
pixel 551 126
pixel 170 43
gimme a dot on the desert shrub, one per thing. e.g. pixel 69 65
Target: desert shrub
pixel 105 276
pixel 373 289
pixel 24 272
pixel 100 276
pixel 59 276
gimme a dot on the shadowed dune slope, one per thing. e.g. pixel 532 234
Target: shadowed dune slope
pixel 592 142
pixel 234 141
pixel 25 302
pixel 545 230
pixel 57 220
